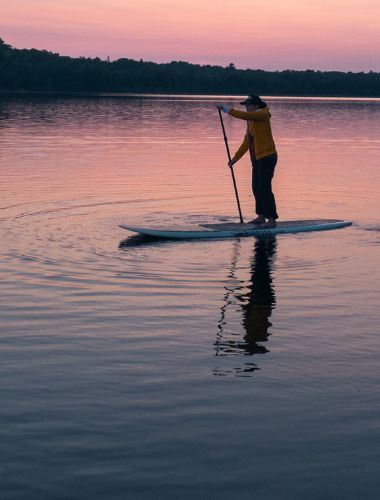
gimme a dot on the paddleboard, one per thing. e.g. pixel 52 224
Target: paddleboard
pixel 237 230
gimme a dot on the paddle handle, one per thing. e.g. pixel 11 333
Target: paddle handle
pixel 231 169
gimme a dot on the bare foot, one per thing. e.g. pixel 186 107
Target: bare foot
pixel 270 223
pixel 260 219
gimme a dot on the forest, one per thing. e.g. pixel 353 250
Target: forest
pixel 32 70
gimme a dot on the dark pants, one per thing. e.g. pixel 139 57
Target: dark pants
pixel 262 174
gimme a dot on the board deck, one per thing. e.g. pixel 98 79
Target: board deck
pixel 235 229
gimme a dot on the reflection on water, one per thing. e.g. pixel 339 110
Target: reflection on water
pixel 139 240
pixel 256 301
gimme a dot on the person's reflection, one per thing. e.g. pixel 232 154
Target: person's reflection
pixel 256 305
pixel 259 301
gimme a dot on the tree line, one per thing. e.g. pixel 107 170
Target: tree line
pixel 41 70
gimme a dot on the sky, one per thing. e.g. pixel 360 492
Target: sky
pixel 342 35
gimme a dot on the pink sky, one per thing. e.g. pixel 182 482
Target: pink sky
pixel 339 35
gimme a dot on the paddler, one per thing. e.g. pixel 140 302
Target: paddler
pixel 258 140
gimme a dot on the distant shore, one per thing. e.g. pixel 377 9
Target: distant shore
pixel 56 93
pixel 39 71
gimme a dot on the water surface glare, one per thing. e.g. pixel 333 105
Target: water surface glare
pixel 142 369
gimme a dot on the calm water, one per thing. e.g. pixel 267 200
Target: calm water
pixel 227 369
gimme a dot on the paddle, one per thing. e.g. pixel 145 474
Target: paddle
pixel 231 169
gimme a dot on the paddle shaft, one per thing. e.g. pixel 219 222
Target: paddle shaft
pixel 231 168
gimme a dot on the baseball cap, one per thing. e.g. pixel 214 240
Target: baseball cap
pixel 253 99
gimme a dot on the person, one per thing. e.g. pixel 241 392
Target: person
pixel 258 140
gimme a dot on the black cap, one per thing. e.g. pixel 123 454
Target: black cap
pixel 253 99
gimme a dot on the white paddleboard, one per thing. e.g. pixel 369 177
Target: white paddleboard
pixel 234 230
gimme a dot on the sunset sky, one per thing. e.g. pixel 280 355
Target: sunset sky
pixel 274 34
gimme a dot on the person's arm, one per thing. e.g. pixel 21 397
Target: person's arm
pixel 255 116
pixel 241 151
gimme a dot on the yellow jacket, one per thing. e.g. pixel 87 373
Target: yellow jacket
pixel 259 133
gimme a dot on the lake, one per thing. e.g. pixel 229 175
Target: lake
pixel 137 369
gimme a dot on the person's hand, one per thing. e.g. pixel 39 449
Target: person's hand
pixel 220 106
pixel 231 163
